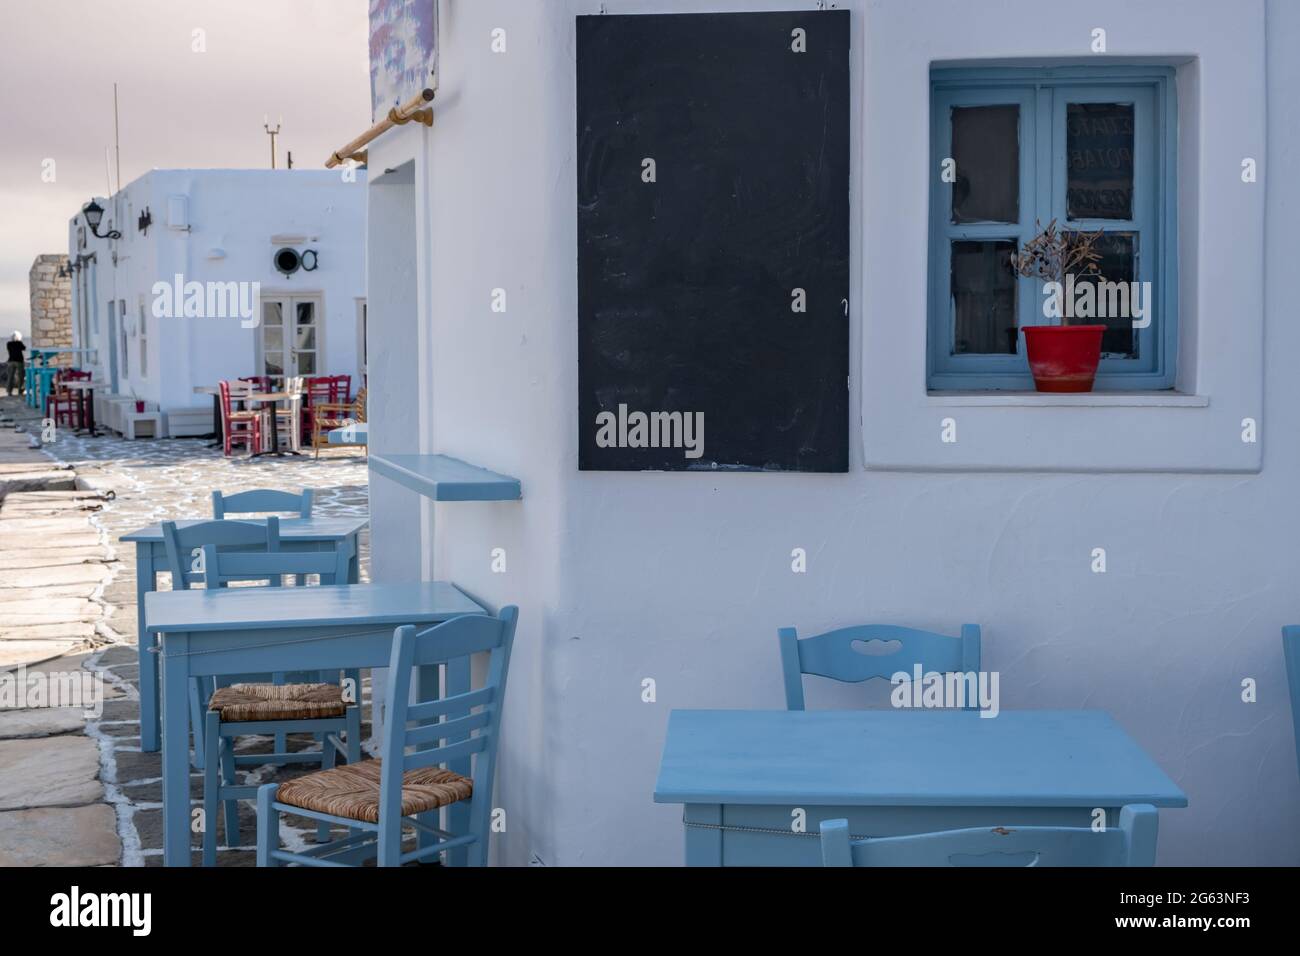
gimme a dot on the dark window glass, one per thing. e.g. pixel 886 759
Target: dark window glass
pixel 986 147
pixel 983 297
pixel 1099 157
pixel 1114 297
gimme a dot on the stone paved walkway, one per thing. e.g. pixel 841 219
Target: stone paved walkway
pixel 78 791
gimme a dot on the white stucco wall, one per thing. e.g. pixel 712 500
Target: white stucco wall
pixel 684 578
pixel 237 212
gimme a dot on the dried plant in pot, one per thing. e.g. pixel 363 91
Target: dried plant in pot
pixel 1062 358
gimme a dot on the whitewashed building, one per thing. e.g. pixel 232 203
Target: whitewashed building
pixel 1130 548
pixel 199 275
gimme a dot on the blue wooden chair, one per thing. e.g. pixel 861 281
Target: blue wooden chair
pixel 185 563
pixel 243 705
pixel 1291 652
pixel 376 797
pixel 1132 843
pixel 262 500
pixel 833 654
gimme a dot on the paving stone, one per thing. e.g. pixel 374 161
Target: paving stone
pixel 121 710
pixel 133 765
pixel 51 557
pixel 14 653
pixel 152 792
pixel 122 654
pixel 60 836
pixel 49 772
pixel 41 721
pixel 114 728
pixel 71 630
pixel 45 578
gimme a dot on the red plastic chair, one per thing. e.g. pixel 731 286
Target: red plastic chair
pixel 240 425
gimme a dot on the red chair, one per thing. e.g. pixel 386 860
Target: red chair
pixel 261 383
pixel 240 425
pixel 342 389
pixel 317 390
pixel 63 405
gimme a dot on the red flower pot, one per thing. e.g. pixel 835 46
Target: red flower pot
pixel 1063 358
pixel 139 407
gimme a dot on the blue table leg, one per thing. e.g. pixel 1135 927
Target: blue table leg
pixel 703 842
pixel 354 560
pixel 176 758
pixel 145 573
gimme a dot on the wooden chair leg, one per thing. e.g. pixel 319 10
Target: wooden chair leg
pixel 268 824
pixel 327 755
pixel 230 808
pixel 211 788
pixel 198 704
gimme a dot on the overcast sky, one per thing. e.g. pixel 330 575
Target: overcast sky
pixel 305 59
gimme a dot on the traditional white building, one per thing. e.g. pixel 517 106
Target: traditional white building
pixel 1131 549
pixel 215 274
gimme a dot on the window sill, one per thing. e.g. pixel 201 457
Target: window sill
pixel 1161 399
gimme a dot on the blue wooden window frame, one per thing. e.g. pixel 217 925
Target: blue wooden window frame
pixel 1042 95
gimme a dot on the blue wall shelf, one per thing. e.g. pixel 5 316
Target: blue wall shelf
pixel 446 479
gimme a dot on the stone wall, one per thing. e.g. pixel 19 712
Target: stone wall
pixel 51 305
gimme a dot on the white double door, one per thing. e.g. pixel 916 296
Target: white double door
pixel 290 342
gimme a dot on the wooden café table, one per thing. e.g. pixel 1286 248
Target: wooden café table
pixel 255 630
pixel 742 775
pixel 296 534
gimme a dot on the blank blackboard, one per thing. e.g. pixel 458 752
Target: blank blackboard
pixel 713 241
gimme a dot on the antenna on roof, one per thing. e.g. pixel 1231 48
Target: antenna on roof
pixel 266 125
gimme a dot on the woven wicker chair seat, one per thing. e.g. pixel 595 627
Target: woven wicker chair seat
pixel 352 791
pixel 278 702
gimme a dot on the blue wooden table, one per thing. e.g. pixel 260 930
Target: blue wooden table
pixel 255 630
pixel 296 534
pixel 742 776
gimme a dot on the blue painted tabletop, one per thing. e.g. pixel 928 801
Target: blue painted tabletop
pixel 357 434
pixel 1028 758
pixel 444 478
pixel 316 528
pixel 239 609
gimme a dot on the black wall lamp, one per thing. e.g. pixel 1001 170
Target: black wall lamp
pixel 145 221
pixel 94 214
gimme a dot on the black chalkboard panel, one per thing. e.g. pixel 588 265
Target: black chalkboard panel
pixel 713 241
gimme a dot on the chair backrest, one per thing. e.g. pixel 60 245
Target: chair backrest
pixel 1291 652
pixel 232 392
pixel 442 728
pixel 260 383
pixel 1132 843
pixel 220 567
pixel 361 404
pixel 342 388
pixel 185 558
pixel 320 389
pixel 836 655
pixel 262 500
pixel 293 385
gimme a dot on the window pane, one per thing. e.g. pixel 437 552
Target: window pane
pixel 1113 306
pixel 986 146
pixel 1099 148
pixel 306 362
pixel 306 313
pixel 274 363
pixel 271 314
pixel 984 298
pixel 272 339
pixel 305 337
